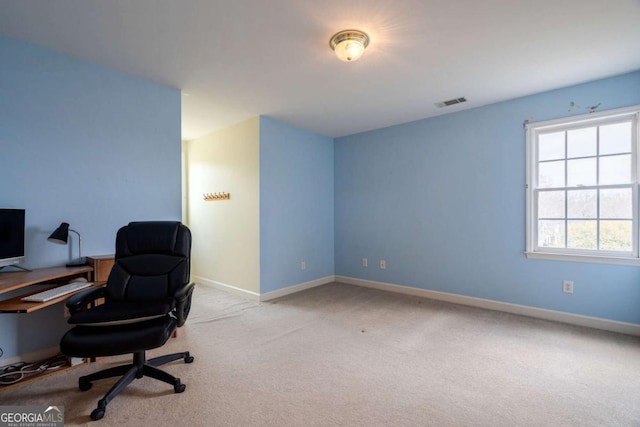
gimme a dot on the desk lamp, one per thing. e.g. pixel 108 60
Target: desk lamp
pixel 61 236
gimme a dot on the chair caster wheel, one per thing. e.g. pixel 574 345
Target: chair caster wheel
pixel 97 414
pixel 188 359
pixel 84 385
pixel 179 388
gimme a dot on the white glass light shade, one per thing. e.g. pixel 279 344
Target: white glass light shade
pixel 349 50
pixel 349 45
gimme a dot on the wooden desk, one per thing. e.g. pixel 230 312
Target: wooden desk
pixel 56 276
pixel 102 265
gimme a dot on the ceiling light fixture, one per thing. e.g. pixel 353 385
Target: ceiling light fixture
pixel 349 45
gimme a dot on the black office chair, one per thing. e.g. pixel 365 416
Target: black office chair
pixel 147 296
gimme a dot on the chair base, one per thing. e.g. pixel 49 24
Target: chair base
pixel 138 369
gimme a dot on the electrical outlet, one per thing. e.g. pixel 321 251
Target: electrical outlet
pixel 383 264
pixel 365 262
pixel 567 286
pixel 77 360
pixel 303 265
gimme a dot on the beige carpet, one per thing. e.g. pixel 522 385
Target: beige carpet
pixel 340 355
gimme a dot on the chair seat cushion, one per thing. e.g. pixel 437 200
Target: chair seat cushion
pixel 123 312
pixel 96 341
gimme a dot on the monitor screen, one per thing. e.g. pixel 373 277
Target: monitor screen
pixel 11 236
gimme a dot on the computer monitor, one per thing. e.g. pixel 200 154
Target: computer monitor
pixel 11 236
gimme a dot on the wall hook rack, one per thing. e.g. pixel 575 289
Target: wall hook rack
pixel 211 197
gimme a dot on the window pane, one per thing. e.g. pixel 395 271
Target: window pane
pixel 581 172
pixel 551 174
pixel 615 169
pixel 582 235
pixel 582 203
pixel 583 175
pixel 551 146
pixel 551 234
pixel 551 204
pixel 616 203
pixel 615 138
pixel 616 236
pixel 582 142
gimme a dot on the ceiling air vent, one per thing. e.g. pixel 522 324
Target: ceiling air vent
pixel 451 102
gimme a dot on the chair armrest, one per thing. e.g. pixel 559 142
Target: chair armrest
pixel 183 302
pixel 80 300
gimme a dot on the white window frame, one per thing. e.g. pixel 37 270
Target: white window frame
pixel 567 123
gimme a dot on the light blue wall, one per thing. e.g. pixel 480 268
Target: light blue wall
pixel 296 205
pixel 86 145
pixel 443 201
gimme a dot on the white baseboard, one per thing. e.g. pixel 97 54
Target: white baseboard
pixel 254 296
pixel 227 288
pixel 296 288
pixel 523 310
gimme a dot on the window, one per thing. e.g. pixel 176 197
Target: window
pixel 582 188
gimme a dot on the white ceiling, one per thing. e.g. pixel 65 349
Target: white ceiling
pixel 236 59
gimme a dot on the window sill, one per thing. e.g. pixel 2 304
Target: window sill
pixel 583 258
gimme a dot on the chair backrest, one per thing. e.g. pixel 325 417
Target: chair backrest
pixel 152 261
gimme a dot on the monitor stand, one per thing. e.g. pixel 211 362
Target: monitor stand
pixel 15 266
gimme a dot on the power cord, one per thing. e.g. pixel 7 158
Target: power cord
pixel 16 372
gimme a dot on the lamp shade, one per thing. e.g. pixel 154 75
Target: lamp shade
pixel 60 234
